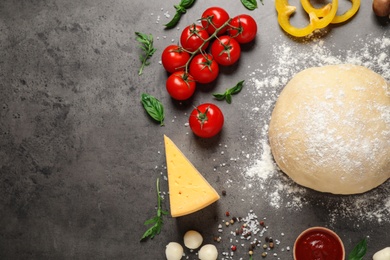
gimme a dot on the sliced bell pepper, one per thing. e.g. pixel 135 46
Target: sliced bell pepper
pixel 285 11
pixel 321 12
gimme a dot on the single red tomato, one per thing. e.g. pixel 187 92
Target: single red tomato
pixel 204 68
pixel 213 18
pixel 174 58
pixel 192 38
pixel 180 85
pixel 225 50
pixel 243 28
pixel 206 120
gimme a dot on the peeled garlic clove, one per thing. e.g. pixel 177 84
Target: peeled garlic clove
pixel 192 239
pixel 174 251
pixel 383 254
pixel 208 252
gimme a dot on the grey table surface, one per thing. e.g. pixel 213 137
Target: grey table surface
pixel 79 157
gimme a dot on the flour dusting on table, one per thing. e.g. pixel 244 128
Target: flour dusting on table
pixel 265 84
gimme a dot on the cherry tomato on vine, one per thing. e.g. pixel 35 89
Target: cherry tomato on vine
pixel 204 68
pixel 180 85
pixel 225 50
pixel 206 120
pixel 213 18
pixel 243 28
pixel 174 58
pixel 193 36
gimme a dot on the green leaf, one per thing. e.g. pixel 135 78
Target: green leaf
pixel 146 45
pixel 187 3
pixel 180 10
pixel 228 98
pixel 219 96
pixel 151 221
pixel 227 95
pixel 153 107
pixel 358 251
pixel 250 4
pixel 174 21
pixel 157 220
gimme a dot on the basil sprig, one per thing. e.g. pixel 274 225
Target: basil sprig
pixel 146 44
pixel 181 9
pixel 153 107
pixel 251 4
pixel 358 251
pixel 227 95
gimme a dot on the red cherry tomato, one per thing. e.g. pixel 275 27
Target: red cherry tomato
pixel 213 18
pixel 193 36
pixel 243 28
pixel 206 120
pixel 204 68
pixel 225 50
pixel 180 85
pixel 174 58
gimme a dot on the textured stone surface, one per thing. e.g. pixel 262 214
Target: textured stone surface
pixel 79 157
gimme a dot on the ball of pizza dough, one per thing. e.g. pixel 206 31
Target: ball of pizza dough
pixel 330 129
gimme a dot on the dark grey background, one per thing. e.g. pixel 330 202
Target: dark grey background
pixel 79 157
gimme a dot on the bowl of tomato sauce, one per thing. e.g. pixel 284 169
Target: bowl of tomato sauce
pixel 318 243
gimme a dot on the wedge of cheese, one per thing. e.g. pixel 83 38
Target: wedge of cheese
pixel 189 191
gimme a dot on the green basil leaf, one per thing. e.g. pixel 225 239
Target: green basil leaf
pixel 172 23
pixel 154 107
pixel 227 95
pixel 358 251
pixel 250 4
pixel 187 3
pixel 180 10
pixel 237 88
pixel 219 96
pixel 228 98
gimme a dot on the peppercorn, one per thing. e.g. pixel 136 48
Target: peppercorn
pixel 252 246
pixel 248 234
pixel 266 239
pixel 227 223
pixel 233 247
pixel 224 192
pixel 232 221
pixel 265 246
pixel 250 252
pixel 227 213
pixel 271 244
pixel 262 223
pixel 264 254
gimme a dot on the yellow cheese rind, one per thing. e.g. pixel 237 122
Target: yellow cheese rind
pixel 189 191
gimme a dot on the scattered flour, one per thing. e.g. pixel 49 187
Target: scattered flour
pixel 262 172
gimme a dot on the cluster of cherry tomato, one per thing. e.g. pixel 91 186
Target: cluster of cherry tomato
pixel 203 48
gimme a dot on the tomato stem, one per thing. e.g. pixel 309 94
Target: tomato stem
pixel 205 41
pixel 202 117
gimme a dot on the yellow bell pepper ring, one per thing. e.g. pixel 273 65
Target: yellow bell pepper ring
pixel 285 11
pixel 321 12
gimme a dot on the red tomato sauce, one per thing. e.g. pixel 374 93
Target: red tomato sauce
pixel 318 245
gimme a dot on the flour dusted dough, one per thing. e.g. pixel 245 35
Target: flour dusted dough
pixel 330 129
